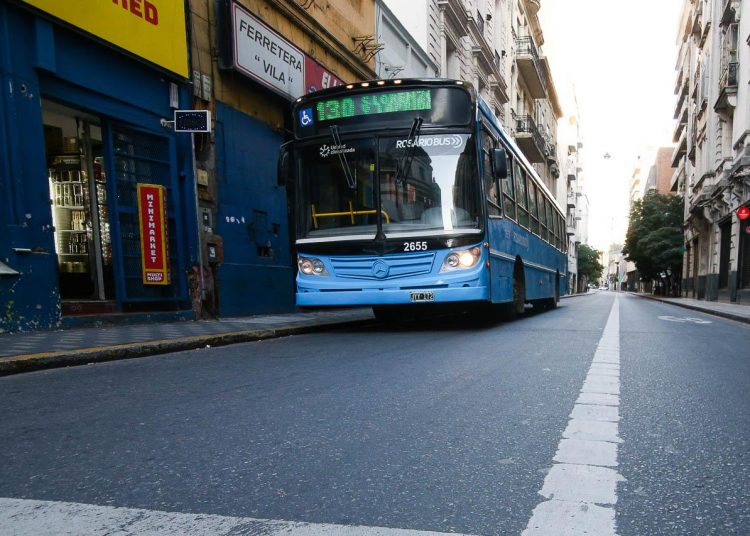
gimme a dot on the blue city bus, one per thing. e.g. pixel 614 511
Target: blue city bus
pixel 410 195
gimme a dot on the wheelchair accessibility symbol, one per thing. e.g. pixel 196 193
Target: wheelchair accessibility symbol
pixel 306 117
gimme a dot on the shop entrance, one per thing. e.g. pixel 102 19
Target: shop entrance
pixel 80 212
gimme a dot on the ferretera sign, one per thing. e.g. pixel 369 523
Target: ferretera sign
pixel 265 56
pixel 151 29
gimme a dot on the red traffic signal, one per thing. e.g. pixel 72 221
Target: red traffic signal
pixel 743 213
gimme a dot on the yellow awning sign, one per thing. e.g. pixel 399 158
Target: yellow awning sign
pixel 151 29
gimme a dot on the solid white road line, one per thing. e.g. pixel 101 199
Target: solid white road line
pixel 581 487
pixel 22 517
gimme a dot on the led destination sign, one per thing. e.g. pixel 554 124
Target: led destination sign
pixel 437 105
pixel 373 104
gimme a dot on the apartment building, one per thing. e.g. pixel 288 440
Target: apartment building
pixel 661 172
pixel 712 156
pixel 571 195
pixel 495 44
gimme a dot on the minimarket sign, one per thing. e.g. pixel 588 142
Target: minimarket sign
pixel 152 217
pixel 151 29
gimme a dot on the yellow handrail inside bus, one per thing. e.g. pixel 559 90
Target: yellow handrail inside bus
pixel 351 212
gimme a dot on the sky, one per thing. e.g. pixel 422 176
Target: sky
pixel 617 61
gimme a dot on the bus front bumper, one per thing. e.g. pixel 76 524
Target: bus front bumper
pixel 366 296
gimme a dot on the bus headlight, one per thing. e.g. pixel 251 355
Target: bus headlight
pixel 462 259
pixel 311 266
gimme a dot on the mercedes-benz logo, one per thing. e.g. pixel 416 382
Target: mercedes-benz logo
pixel 380 269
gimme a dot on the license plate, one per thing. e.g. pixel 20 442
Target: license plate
pixel 422 297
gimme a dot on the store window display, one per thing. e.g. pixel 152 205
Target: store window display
pixel 78 195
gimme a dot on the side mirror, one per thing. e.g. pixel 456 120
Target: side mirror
pixel 500 163
pixel 284 165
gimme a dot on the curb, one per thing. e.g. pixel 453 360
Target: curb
pixel 32 362
pixel 723 314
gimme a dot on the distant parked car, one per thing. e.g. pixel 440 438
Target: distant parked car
pixel 592 286
pixel 603 287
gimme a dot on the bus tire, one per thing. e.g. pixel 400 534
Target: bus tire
pixel 556 299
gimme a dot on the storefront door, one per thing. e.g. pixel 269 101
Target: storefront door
pixel 80 212
pixel 744 256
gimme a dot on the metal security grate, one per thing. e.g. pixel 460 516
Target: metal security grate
pixel 142 158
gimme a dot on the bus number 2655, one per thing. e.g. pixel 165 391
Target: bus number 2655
pixel 415 246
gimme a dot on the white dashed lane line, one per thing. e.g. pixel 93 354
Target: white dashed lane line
pixel 581 488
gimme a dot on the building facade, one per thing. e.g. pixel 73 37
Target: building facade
pixel 712 155
pixel 399 55
pixel 571 195
pixel 250 60
pixel 661 172
pixel 83 104
pixel 109 210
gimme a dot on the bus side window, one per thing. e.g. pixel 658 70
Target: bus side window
pixel 533 208
pixel 490 183
pixel 550 219
pixel 523 204
pixel 563 234
pixel 543 216
pixel 555 230
pixel 509 198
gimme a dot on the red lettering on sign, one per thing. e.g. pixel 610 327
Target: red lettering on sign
pixel 152 15
pixel 140 8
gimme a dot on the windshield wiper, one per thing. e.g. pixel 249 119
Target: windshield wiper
pixel 351 178
pixel 410 147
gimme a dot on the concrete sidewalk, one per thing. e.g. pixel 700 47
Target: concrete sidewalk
pixel 23 352
pixel 732 311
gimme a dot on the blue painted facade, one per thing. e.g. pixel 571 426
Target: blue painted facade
pixel 252 218
pixel 40 58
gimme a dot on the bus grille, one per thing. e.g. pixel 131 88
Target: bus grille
pixel 383 268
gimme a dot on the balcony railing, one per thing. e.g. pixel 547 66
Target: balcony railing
pixel 728 12
pixel 530 139
pixel 727 100
pixel 572 175
pixel 530 65
pixel 729 75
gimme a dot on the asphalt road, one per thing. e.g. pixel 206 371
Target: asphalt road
pixel 444 426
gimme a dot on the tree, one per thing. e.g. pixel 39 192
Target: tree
pixel 588 263
pixel 654 241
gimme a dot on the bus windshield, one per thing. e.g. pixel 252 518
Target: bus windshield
pixel 412 186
